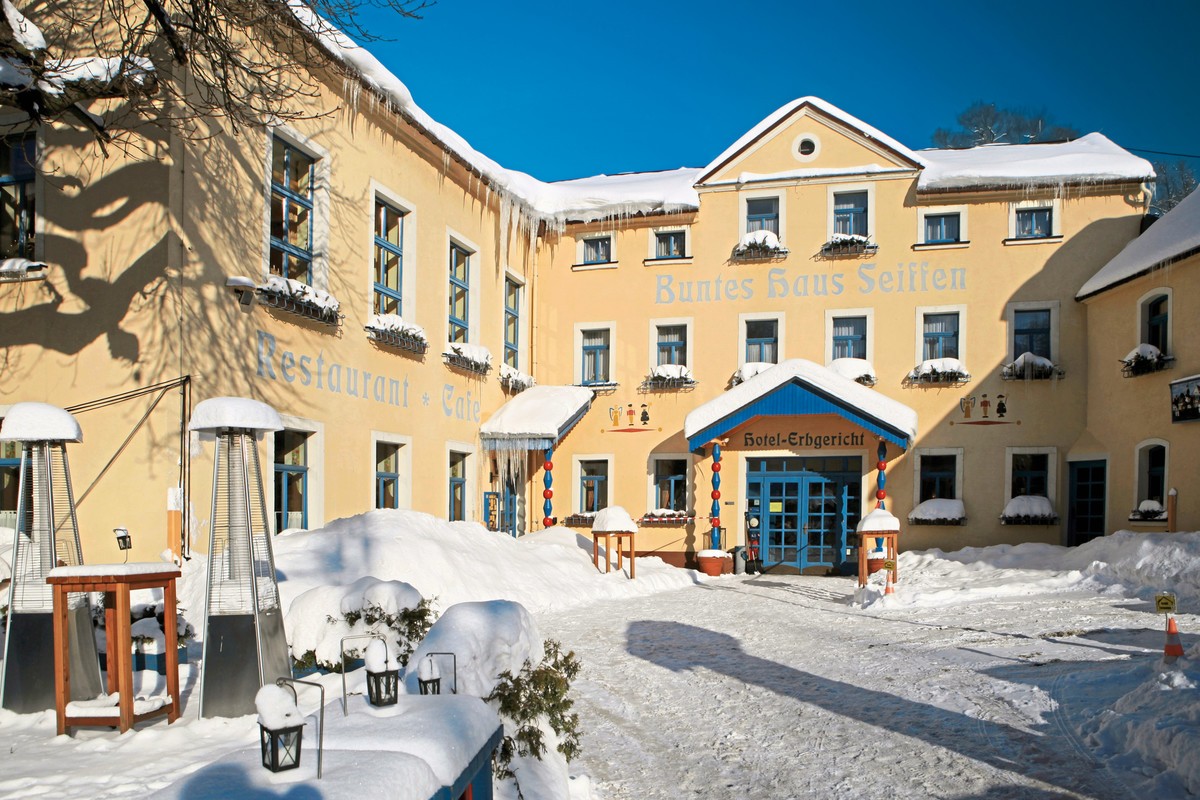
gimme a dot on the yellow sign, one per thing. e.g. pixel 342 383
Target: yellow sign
pixel 1164 602
pixel 889 564
pixel 776 506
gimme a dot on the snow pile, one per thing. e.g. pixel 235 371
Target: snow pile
pixel 749 370
pixel 302 293
pixel 671 372
pixel 613 519
pixel 39 422
pixel 487 638
pixel 514 380
pixel 934 370
pixel 856 369
pixel 394 323
pixel 938 510
pixel 276 708
pixel 880 520
pixel 478 356
pixel 217 413
pixel 377 658
pixel 318 619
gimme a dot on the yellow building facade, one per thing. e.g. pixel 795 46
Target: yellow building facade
pixel 885 282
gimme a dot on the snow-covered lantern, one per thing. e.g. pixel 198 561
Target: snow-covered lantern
pixel 383 682
pixel 124 540
pixel 429 677
pixel 244 642
pixel 280 727
pixel 47 536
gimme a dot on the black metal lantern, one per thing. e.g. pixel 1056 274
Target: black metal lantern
pixel 281 747
pixel 429 677
pixel 124 540
pixel 384 687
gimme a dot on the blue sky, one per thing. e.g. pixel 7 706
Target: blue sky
pixel 563 90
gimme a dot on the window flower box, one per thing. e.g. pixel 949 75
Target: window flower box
pixel 1029 510
pixel 939 371
pixel 936 511
pixel 1029 367
pixel 514 381
pixel 759 245
pixel 1144 359
pixel 22 269
pixel 848 245
pixel 748 371
pixel 668 376
pixel 393 331
pixel 856 369
pixel 580 520
pixel 1148 511
pixel 469 357
pixel 662 517
pixel 293 297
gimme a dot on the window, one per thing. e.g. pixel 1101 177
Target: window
pixel 1156 316
pixel 387 475
pixel 672 344
pixel 942 228
pixel 1031 332
pixel 596 367
pixel 1152 473
pixel 512 321
pixel 1030 474
pixel 762 341
pixel 849 337
pixel 10 481
pixel 457 486
pixel 597 250
pixel 850 213
pixel 292 183
pixel 670 484
pixel 18 157
pixel 938 477
pixel 389 259
pixel 670 244
pixel 593 485
pixel 940 333
pixel 460 277
pixel 291 479
pixel 1034 223
pixel 762 214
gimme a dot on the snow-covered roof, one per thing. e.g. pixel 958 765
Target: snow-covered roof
pixel 220 413
pixel 1175 236
pixel 536 418
pixel 841 393
pixel 1089 159
pixel 39 422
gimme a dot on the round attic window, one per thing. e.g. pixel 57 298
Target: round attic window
pixel 805 147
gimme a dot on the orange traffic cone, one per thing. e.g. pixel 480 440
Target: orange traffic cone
pixel 1174 647
pixel 888 588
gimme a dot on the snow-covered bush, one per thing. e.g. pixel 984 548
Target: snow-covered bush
pixel 759 244
pixel 939 370
pixel 146 627
pixel 513 380
pixel 1030 367
pixel 1144 359
pixel 1149 511
pixel 1029 509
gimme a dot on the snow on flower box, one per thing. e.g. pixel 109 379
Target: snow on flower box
pixel 1148 511
pixel 393 331
pixel 1029 509
pixel 1144 359
pixel 944 371
pixel 758 246
pixel 666 516
pixel 513 380
pixel 469 357
pixel 1029 367
pixel 669 376
pixel 583 519
pixel 22 269
pixel 748 371
pixel 845 245
pixel 298 298
pixel 858 370
pixel 936 511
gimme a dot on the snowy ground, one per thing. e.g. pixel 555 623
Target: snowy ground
pixel 1026 672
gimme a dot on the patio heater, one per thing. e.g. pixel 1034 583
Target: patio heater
pixel 244 643
pixel 47 536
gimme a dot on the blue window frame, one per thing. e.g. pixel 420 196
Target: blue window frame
pixel 1030 474
pixel 597 250
pixel 460 292
pixel 849 337
pixel 942 228
pixel 762 214
pixel 10 481
pixel 1034 223
pixel 512 321
pixel 670 244
pixel 850 213
pixel 937 477
pixel 1156 322
pixel 670 483
pixel 593 485
pixel 291 480
pixel 389 259
pixel 1031 333
pixel 672 344
pixel 457 487
pixel 762 341
pixel 596 361
pixel 941 335
pixel 292 181
pixel 387 475
pixel 18 159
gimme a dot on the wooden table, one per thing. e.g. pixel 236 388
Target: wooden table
pixel 608 536
pixel 890 543
pixel 116 581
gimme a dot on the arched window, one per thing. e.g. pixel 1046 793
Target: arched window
pixel 1156 322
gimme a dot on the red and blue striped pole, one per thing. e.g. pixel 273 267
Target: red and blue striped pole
pixel 716 498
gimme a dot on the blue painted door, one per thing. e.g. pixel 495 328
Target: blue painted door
pixel 804 507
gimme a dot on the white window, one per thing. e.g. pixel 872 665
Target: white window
pixel 391 455
pixel 851 210
pixel 297 496
pixel 942 226
pixel 1033 328
pixel 296 223
pixel 591 475
pixel 1034 220
pixel 1031 471
pixel 761 337
pixel 849 333
pixel 595 353
pixel 939 474
pixel 671 342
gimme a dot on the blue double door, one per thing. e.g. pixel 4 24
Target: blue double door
pixel 806 509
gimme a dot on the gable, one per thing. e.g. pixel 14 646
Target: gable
pixel 838 142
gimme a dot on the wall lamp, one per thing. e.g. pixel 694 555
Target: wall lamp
pixel 244 289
